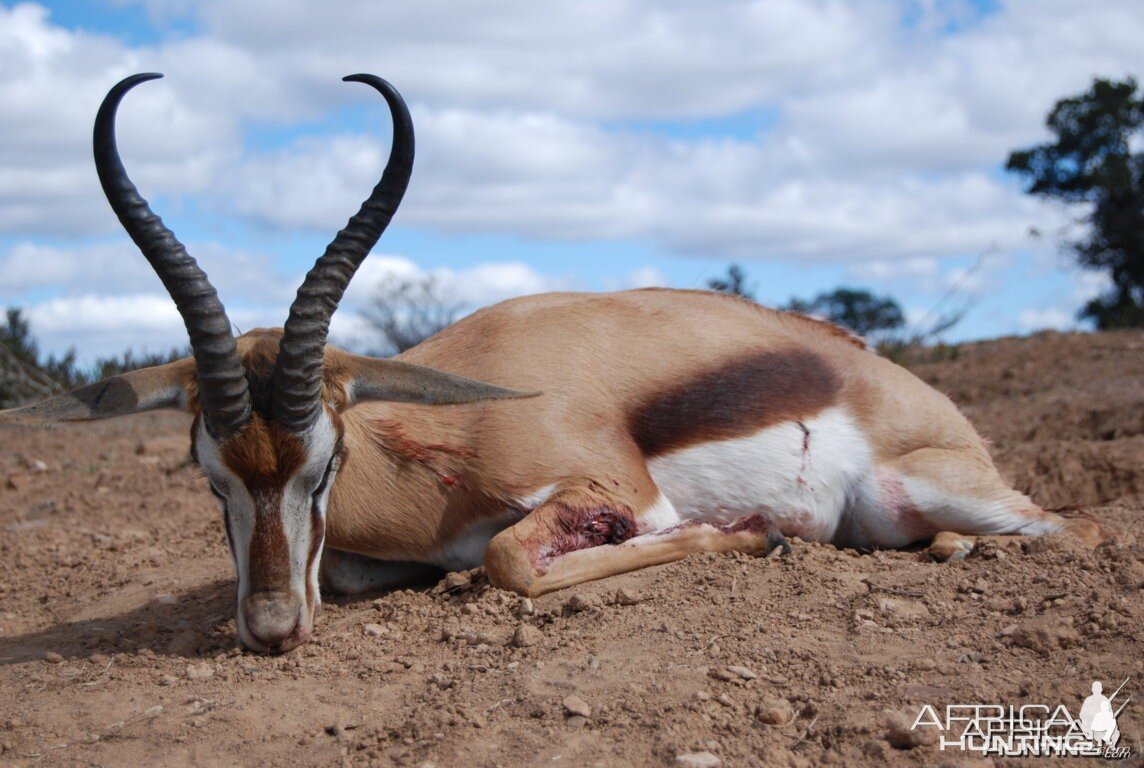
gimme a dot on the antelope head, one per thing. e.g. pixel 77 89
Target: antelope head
pixel 267 430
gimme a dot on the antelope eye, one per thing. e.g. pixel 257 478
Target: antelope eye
pixel 325 477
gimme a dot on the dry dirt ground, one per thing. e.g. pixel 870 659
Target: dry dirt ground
pixel 117 643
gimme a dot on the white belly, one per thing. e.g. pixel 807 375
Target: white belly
pixel 805 476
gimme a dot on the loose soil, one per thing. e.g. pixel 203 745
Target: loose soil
pixel 118 646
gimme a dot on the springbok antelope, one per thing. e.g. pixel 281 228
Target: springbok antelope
pixel 670 422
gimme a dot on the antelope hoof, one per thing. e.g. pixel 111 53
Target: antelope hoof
pixel 1088 532
pixel 776 544
pixel 949 546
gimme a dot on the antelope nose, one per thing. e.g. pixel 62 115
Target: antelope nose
pixel 272 618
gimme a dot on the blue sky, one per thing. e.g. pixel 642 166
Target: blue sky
pixel 587 146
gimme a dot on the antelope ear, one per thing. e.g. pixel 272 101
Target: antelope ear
pixel 162 386
pixel 371 378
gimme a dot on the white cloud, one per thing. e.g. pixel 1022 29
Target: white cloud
pixel 552 121
pixel 554 179
pixel 468 289
pixel 53 82
pixel 1089 285
pixel 98 324
pixel 472 287
pixel 612 59
pixel 882 270
pixel 644 277
pixel 115 267
pixel 869 112
pixel 1055 318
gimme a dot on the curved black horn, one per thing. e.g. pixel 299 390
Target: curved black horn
pixel 298 373
pixel 222 380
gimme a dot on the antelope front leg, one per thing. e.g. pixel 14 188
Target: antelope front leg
pixel 573 538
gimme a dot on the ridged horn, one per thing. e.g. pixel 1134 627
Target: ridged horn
pixel 298 372
pixel 223 391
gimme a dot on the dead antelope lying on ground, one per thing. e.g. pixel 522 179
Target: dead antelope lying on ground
pixel 670 422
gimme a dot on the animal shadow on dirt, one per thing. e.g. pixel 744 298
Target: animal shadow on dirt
pixel 197 622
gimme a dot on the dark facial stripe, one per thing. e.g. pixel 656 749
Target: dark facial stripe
pixel 735 400
pixel 269 558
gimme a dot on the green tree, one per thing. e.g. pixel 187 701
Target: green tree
pixel 21 377
pixel 854 308
pixel 25 375
pixel 1091 162
pixel 734 283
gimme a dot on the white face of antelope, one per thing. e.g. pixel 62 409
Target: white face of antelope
pixel 273 487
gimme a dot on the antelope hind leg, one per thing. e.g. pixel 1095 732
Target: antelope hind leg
pixel 948 545
pixel 958 494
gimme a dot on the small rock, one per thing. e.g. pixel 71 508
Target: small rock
pixel 455 581
pixel 53 658
pixel 197 672
pixel 725 700
pixel 775 712
pixel 481 638
pixel 899 735
pixel 626 596
pixel 103 541
pixel 184 643
pixel 574 705
pixel 99 659
pixel 719 673
pixel 441 681
pixel 525 607
pixel 698 760
pixel 578 603
pixel 997 604
pixel 980 586
pixel 742 672
pixel 876 750
pixel 17 481
pixel 168 680
pixel 37 466
pixel 1045 634
pixel 374 630
pixel 525 636
pixel 902 609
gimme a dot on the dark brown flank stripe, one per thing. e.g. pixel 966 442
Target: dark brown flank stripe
pixel 735 400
